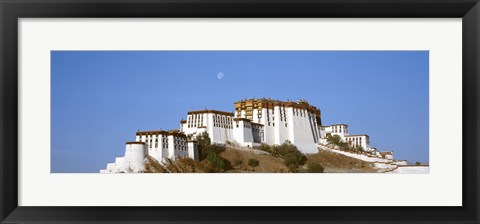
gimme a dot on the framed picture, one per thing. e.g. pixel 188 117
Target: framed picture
pixel 249 112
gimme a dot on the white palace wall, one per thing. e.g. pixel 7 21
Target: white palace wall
pixel 243 132
pixel 131 162
pixel 193 150
pixel 269 133
pixel 217 124
pixel 280 124
pixel 135 153
pixel 159 145
pixel 220 128
pixel 254 121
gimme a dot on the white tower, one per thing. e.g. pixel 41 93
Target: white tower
pixel 135 154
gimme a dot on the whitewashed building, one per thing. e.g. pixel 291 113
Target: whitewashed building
pixel 342 131
pixel 254 121
pixel 359 140
pixel 160 145
pixel 297 122
pixel 257 121
pixel 334 129
pixel 247 133
pixel 218 125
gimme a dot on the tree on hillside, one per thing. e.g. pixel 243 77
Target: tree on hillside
pixel 314 168
pixel 210 152
pixel 344 146
pixel 203 139
pixel 265 147
pixel 358 148
pixel 292 157
pixel 204 142
pixel 216 161
pixel 334 140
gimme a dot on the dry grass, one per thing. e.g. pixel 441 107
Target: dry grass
pixel 337 163
pixel 183 165
pixel 239 162
pixel 153 166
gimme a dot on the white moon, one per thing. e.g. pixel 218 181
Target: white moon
pixel 220 75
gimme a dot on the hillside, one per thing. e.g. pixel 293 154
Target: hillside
pixel 266 162
pixel 237 160
pixel 337 163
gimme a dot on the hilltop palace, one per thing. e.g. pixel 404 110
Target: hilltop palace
pixel 255 121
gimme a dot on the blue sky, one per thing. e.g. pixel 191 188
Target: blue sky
pixel 101 98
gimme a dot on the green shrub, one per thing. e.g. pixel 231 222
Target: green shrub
pixel 253 162
pixel 265 147
pixel 337 141
pixel 344 146
pixel 216 161
pixel 314 168
pixel 204 143
pixel 292 157
pixel 292 168
pixel 334 139
pixel 359 148
pixel 203 139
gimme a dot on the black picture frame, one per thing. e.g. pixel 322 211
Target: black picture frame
pixel 11 11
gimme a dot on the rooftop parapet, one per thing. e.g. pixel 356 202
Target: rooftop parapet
pixel 269 103
pixel 161 132
pixel 210 112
